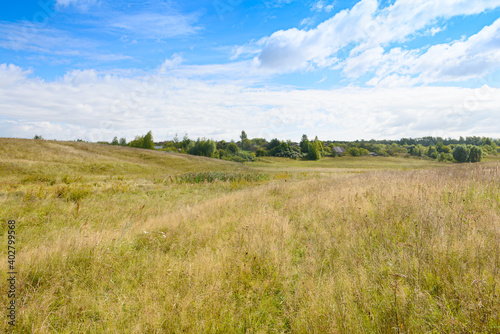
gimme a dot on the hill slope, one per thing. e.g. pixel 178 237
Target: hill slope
pixel 26 156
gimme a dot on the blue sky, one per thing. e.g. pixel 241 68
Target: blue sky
pixel 345 70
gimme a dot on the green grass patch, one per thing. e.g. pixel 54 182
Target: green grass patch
pixel 220 176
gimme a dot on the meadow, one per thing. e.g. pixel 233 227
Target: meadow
pixel 121 240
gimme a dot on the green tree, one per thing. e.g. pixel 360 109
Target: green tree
pixel 203 147
pixel 233 148
pixel 260 152
pixel 148 141
pixel 185 143
pixel 314 150
pixel 432 152
pixel 476 154
pixel 115 141
pixel 394 149
pixel 364 151
pixel 37 137
pixel 246 145
pixel 244 140
pixel 273 144
pixel 440 147
pixel 123 142
pixel 354 151
pixel 243 135
pixel 304 144
pixel 138 142
pixel 461 153
pixel 221 144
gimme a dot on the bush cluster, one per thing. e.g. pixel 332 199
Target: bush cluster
pixel 470 149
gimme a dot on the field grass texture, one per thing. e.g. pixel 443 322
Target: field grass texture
pixel 122 240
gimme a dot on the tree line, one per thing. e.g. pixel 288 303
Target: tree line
pixel 468 149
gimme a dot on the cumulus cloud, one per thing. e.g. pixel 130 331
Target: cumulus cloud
pixel 292 49
pixel 11 74
pixel 95 106
pixel 474 57
pixel 366 26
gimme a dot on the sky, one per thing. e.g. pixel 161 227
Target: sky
pixel 339 70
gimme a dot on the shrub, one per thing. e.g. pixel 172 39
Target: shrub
pixel 285 150
pixel 148 141
pixel 273 144
pixel 445 157
pixel 203 147
pixel 260 152
pixel 138 142
pixel 432 152
pixel 232 147
pixel 461 153
pixel 314 150
pixel 395 149
pixel 476 154
pixel 142 141
pixel 304 144
pixel 354 151
pixel 363 151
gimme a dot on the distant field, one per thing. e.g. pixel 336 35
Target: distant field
pixel 123 240
pixel 340 164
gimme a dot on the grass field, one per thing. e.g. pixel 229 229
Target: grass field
pixel 122 240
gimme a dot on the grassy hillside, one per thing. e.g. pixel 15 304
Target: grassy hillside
pixel 119 240
pixel 28 157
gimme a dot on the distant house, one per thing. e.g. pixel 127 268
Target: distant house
pixel 373 154
pixel 158 147
pixel 339 150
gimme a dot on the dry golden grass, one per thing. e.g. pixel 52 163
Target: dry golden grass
pixel 376 252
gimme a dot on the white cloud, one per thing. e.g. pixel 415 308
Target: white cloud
pixel 93 106
pixel 288 50
pixel 38 38
pixel 308 21
pixel 457 61
pixel 275 3
pixel 321 5
pixel 239 50
pixel 246 71
pixel 79 4
pixel 365 25
pixel 11 74
pixel 151 25
pixel 174 62
pixel 27 36
pixel 434 30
